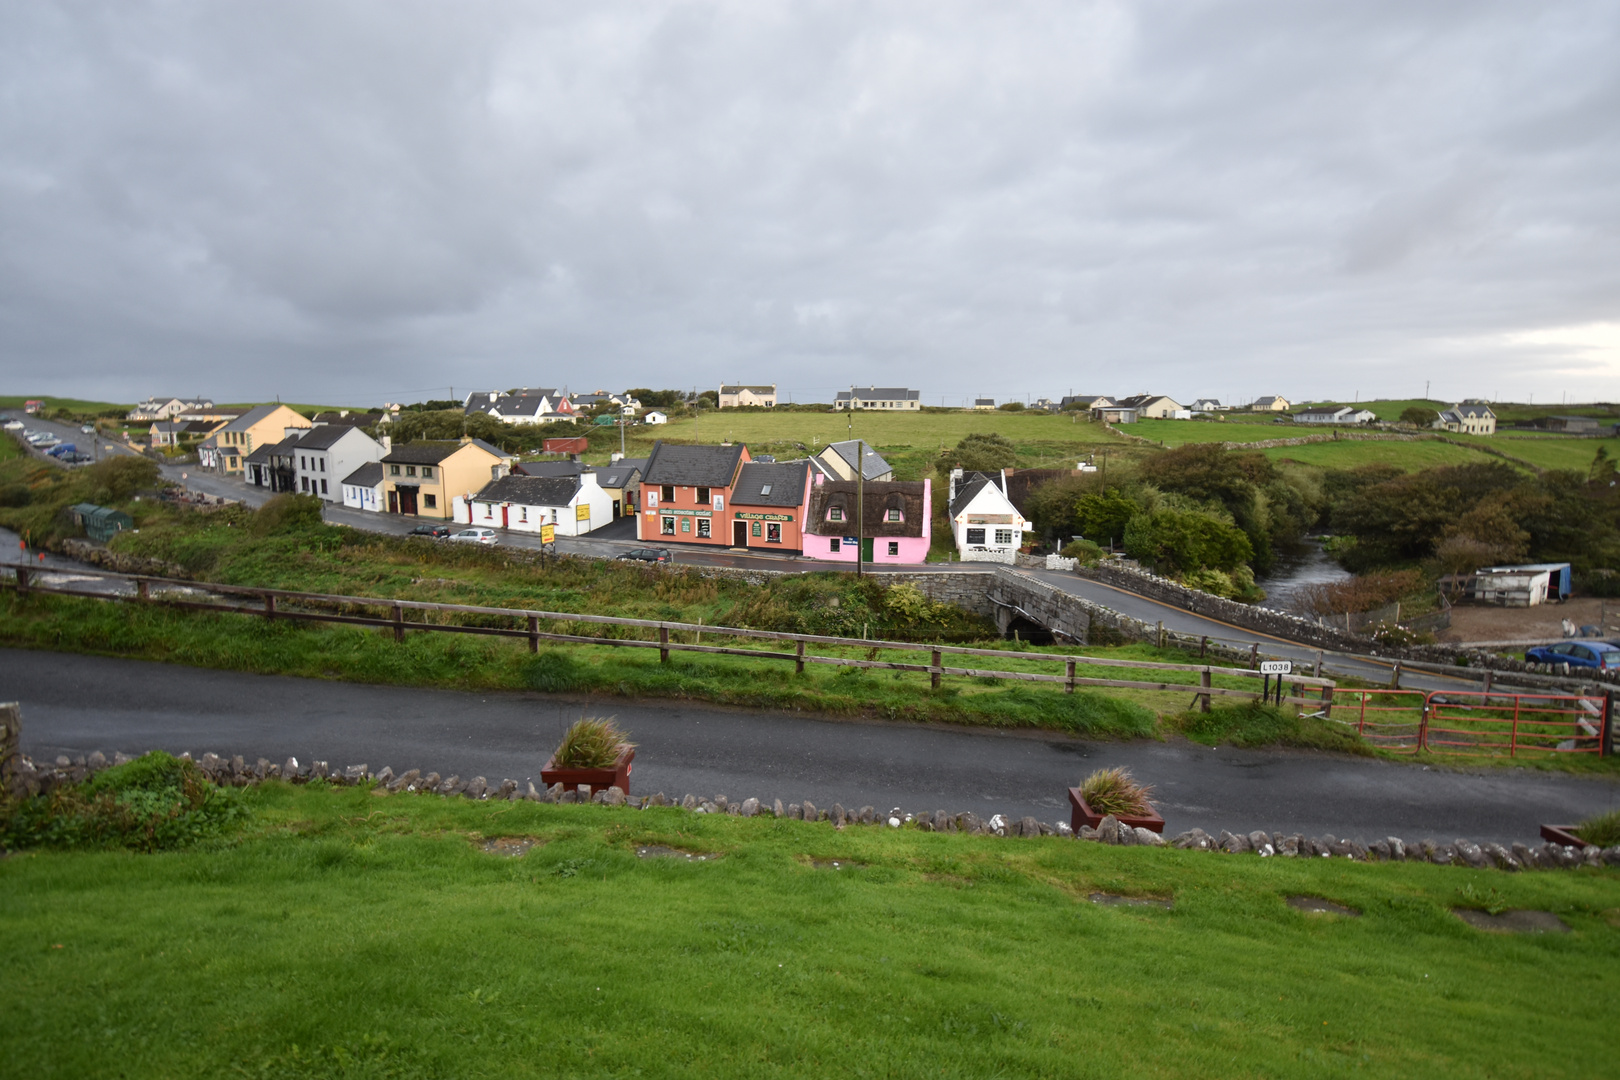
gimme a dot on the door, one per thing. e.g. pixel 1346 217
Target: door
pixel 393 502
pixel 739 534
pixel 407 500
pixel 616 512
pixel 866 549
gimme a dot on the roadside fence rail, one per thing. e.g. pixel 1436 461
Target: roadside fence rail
pixel 400 617
pixel 1478 722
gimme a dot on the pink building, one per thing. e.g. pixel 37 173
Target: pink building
pixel 897 525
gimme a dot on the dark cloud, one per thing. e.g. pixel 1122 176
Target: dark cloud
pixel 355 201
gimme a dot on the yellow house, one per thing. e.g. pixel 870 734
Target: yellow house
pixel 258 427
pixel 423 478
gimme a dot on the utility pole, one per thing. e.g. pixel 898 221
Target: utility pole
pixel 860 507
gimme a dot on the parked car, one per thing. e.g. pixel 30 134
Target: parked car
pixel 1599 655
pixel 77 459
pixel 62 449
pixel 15 425
pixel 648 555
pixel 89 429
pixel 437 532
pixel 478 535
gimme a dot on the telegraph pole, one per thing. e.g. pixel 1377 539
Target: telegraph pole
pixel 860 507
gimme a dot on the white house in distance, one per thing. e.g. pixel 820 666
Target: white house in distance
pixel 878 397
pixel 1152 407
pixel 1469 418
pixel 1206 404
pixel 986 525
pixel 324 456
pixel 574 504
pixel 525 406
pixel 363 488
pixel 738 396
pixel 655 417
pixel 1331 414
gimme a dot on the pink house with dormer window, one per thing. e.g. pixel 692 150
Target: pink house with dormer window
pixel 892 524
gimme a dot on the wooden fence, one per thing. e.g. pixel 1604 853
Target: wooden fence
pixel 282 604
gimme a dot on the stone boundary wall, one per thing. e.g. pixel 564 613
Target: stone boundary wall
pixel 31 781
pixel 1349 435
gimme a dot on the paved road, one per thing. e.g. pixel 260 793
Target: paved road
pixel 75 704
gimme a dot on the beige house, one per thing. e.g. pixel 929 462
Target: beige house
pixel 1149 406
pixel 1271 404
pixel 737 397
pixel 423 478
pixel 255 428
pixel 1471 418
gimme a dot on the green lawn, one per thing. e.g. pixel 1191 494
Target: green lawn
pixel 1547 451
pixel 347 935
pixel 1181 432
pixel 1351 453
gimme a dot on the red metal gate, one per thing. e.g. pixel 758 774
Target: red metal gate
pixel 1497 725
pixel 1390 719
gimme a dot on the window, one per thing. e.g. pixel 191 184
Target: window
pixel 835 514
pixel 303 483
pixel 523 513
pixel 894 547
pixel 322 463
pixel 975 536
pixel 667 493
pixel 430 501
pixel 703 528
pixel 427 472
pixel 765 489
pixel 1004 536
pixel 668 528
pixel 303 462
pixel 773 532
pixel 892 515
pixel 702 496
pixel 410 470
pixel 489 510
pixel 393 470
pixel 323 487
pixel 835 545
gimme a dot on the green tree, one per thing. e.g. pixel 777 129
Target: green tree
pixel 1103 516
pixel 979 452
pixel 1181 541
pixel 1418 416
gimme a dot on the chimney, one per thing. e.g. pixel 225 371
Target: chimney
pixel 387 442
pixel 956 474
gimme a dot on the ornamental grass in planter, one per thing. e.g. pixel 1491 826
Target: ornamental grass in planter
pixel 1600 831
pixel 1113 791
pixel 593 751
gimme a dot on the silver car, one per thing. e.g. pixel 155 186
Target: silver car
pixel 477 536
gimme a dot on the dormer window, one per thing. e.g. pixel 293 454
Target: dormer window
pixel 765 489
pixel 892 515
pixel 836 513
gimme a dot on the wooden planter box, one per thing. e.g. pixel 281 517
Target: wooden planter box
pixel 1562 834
pixel 598 779
pixel 1084 815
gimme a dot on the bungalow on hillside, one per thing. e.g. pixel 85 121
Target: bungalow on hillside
pixel 737 396
pixel 1207 405
pixel 892 522
pixel 878 397
pixel 1330 414
pixel 1150 406
pixel 984 404
pixel 986 525
pixel 1467 419
pixel 1084 402
pixel 164 408
pixel 1270 403
pixel 655 417
pixel 573 504
pixel 839 459
pixel 421 478
pixel 363 488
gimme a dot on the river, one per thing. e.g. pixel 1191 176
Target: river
pixel 1295 571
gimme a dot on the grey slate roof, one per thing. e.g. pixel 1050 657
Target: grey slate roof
pixel 549 468
pixel 267 453
pixel 323 437
pixel 983 401
pixel 368 475
pixel 733 388
pixel 904 495
pixel 617 476
pixel 873 467
pixel 249 418
pixel 881 393
pixel 422 452
pixel 786 480
pixel 693 466
pixel 530 490
pixel 969 486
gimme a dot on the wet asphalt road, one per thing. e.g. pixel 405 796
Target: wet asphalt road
pixel 75 704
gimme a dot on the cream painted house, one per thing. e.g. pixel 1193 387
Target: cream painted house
pixel 739 396
pixel 423 478
pixel 253 429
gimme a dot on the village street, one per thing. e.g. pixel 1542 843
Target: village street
pixel 74 704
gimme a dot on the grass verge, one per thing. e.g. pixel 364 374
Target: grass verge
pixel 342 934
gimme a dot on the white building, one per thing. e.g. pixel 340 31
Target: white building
pixel 655 417
pixel 363 488
pixel 1328 414
pixel 574 504
pixel 1468 419
pixel 324 456
pixel 986 525
pixel 878 397
pixel 1149 407
pixel 739 396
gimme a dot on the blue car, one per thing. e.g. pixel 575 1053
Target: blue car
pixel 1585 654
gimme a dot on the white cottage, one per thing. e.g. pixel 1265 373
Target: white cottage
pixel 987 526
pixel 574 504
pixel 363 488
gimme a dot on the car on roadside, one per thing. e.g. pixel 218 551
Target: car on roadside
pixel 15 425
pixel 477 535
pixel 1596 655
pixel 88 429
pixel 648 555
pixel 434 532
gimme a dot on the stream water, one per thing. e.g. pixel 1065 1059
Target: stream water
pixel 1295 571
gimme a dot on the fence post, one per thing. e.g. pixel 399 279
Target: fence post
pixel 1395 676
pixel 1160 637
pixel 1068 674
pixel 399 623
pixel 1327 702
pixel 934 664
pixel 142 591
pixel 1488 674
pixel 1606 728
pixel 534 633
pixel 798 664
pixel 1254 656
pixel 269 606
pixel 1203 647
pixel 22 579
pixel 1318 672
pixel 663 644
pixel 1203 699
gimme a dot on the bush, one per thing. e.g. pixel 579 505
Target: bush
pixel 154 803
pixel 1182 540
pixel 287 513
pixel 15 495
pixel 1115 791
pixel 591 743
pixel 1084 550
pixel 1603 830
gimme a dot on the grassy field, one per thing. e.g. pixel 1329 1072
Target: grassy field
pixel 1349 454
pixel 345 935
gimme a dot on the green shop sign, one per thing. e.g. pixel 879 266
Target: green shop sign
pixel 766 517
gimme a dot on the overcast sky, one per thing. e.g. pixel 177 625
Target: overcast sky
pixel 352 202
